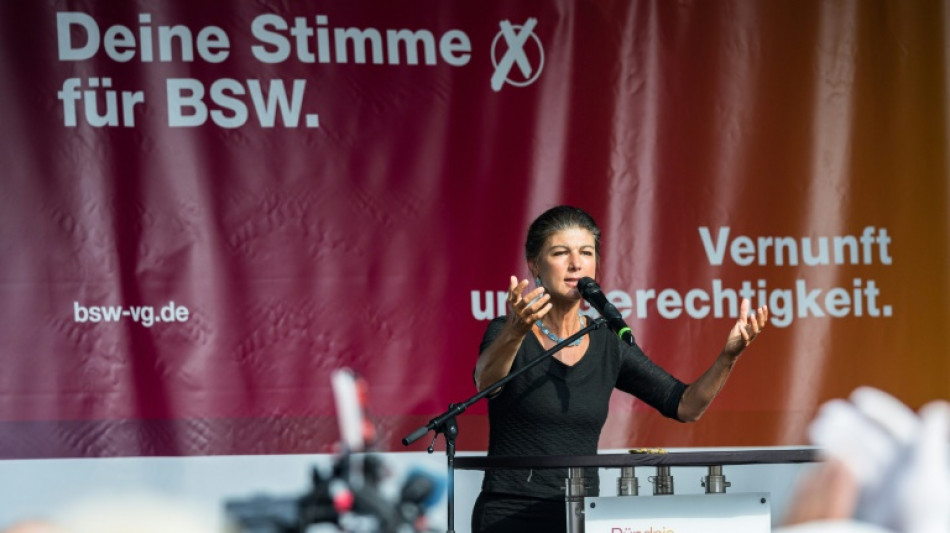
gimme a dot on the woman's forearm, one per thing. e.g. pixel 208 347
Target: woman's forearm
pixel 699 394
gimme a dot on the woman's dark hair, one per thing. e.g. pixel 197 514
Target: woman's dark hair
pixel 554 220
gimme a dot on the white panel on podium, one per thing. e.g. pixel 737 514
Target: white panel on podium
pixel 748 512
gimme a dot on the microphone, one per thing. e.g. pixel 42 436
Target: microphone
pixel 591 292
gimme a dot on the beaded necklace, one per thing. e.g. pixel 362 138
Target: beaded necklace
pixel 555 338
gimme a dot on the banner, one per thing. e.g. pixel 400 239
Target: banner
pixel 208 207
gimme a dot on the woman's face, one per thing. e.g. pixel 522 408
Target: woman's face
pixel 566 257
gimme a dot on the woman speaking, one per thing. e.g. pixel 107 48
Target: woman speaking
pixel 559 407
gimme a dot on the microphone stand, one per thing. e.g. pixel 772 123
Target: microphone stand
pixel 446 425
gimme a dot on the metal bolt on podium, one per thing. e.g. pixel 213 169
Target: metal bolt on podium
pixel 715 482
pixel 575 500
pixel 627 484
pixel 662 482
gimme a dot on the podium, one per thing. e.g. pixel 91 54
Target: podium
pixel 714 505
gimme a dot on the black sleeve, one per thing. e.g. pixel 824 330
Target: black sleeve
pixel 491 333
pixel 644 379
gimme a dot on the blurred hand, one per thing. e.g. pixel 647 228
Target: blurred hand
pixel 901 461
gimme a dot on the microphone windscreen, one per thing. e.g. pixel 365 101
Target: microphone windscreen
pixel 587 287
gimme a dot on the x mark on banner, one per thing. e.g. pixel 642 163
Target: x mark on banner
pixel 514 54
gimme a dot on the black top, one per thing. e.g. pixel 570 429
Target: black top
pixel 556 409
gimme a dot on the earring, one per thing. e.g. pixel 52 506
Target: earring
pixel 537 281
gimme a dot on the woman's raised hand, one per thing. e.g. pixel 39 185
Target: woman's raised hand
pixel 747 328
pixel 525 309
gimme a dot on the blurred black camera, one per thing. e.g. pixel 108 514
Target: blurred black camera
pixel 349 496
pixel 353 506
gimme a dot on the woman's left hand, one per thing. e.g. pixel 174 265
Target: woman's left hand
pixel 747 328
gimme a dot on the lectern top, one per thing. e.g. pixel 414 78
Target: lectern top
pixel 618 460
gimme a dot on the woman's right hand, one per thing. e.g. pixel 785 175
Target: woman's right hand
pixel 525 309
pixel 495 361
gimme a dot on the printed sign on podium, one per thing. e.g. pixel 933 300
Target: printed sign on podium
pixel 748 512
